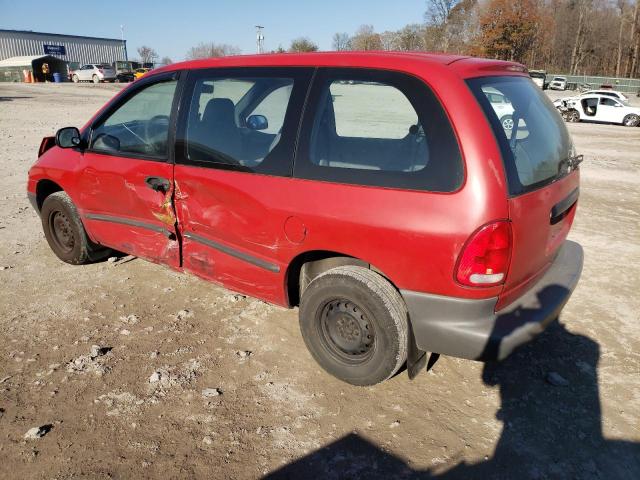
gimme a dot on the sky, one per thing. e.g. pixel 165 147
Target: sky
pixel 171 27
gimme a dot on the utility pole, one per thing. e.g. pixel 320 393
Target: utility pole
pixel 124 43
pixel 259 38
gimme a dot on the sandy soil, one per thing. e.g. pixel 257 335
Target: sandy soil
pixel 139 406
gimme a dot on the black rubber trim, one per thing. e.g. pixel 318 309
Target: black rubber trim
pixel 33 201
pixel 560 209
pixel 233 252
pixel 133 223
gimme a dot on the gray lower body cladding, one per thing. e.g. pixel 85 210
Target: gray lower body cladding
pixel 473 329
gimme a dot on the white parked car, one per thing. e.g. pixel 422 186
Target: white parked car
pixel 558 83
pixel 598 108
pixel 94 72
pixel 502 106
pixel 608 93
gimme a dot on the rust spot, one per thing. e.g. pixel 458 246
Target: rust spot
pixel 166 215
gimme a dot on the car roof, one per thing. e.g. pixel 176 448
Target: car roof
pixel 465 66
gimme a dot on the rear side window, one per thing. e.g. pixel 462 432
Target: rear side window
pixel 532 136
pixel 379 128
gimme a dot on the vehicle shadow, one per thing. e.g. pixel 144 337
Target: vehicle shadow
pixel 549 431
pixel 10 99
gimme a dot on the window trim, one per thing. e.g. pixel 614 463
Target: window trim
pixel 127 94
pixel 301 76
pixel 402 81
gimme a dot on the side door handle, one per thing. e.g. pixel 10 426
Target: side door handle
pixel 158 184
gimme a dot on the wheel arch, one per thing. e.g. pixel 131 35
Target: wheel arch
pixel 308 265
pixel 44 188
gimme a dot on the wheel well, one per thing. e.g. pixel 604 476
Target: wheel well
pixel 44 188
pixel 307 266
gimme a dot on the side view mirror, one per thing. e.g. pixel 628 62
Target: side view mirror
pixel 257 122
pixel 68 137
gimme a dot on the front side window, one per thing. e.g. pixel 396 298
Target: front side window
pixel 533 138
pixel 236 122
pixel 381 128
pixel 140 126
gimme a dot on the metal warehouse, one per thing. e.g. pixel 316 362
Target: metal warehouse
pixel 73 49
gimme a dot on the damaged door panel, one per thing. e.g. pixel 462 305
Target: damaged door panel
pixel 125 188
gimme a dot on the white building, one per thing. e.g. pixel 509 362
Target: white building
pixel 73 49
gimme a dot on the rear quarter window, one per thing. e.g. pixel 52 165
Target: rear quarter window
pixel 377 128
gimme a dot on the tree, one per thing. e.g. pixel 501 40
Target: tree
pixel 303 44
pixel 211 49
pixel 508 28
pixel 147 54
pixel 437 16
pixel 341 42
pixel 366 39
pixel 410 38
pixel 166 61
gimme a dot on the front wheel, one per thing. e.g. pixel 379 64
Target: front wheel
pixel 573 116
pixel 95 79
pixel 65 233
pixel 75 79
pixel 631 120
pixel 354 323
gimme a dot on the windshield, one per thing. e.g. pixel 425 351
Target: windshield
pixel 533 137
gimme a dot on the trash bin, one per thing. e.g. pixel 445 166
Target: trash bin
pixel 58 78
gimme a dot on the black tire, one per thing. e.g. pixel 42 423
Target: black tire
pixel 65 233
pixel 631 120
pixel 354 323
pixel 573 116
pixel 75 79
pixel 95 79
pixel 507 123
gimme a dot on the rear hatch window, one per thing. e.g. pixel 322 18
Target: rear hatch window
pixel 534 141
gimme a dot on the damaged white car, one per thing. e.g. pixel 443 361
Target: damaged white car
pixel 598 108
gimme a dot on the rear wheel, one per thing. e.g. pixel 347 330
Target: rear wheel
pixel 95 79
pixel 631 120
pixel 75 79
pixel 65 233
pixel 507 122
pixel 354 323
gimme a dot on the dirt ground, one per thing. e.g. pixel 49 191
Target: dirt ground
pixel 135 408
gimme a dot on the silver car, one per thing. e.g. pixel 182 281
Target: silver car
pixel 94 72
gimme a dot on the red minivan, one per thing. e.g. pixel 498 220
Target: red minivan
pixel 385 194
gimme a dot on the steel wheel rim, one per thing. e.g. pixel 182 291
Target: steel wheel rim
pixel 346 332
pixel 62 231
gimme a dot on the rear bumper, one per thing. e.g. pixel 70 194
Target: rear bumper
pixel 473 329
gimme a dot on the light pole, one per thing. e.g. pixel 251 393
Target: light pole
pixel 124 43
pixel 260 38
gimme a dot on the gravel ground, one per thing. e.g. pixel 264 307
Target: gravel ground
pixel 128 370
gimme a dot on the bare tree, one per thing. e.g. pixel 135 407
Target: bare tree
pixel 166 61
pixel 411 37
pixel 211 49
pixel 437 15
pixel 341 42
pixel 366 39
pixel 303 44
pixel 633 41
pixel 147 54
pixel 621 6
pixel 389 40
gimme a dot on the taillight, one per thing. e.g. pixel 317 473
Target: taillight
pixel 46 144
pixel 485 257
